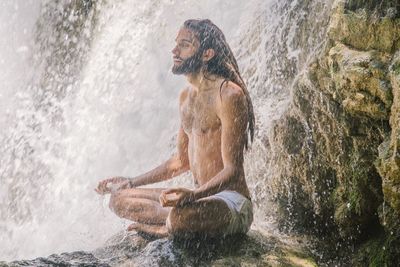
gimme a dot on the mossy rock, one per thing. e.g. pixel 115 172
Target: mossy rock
pixel 363 30
pixel 380 7
pixel 358 80
pixel 382 250
pixel 253 249
pixel 388 163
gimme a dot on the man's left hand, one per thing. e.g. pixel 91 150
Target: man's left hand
pixel 176 197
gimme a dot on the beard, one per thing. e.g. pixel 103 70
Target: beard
pixel 190 65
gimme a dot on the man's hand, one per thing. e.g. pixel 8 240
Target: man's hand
pixel 176 197
pixel 107 185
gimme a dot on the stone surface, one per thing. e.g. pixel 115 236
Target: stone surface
pixel 324 160
pixel 363 28
pixel 336 149
pixel 360 81
pixel 254 249
pixel 389 151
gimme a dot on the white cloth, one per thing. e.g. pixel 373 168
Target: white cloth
pixel 241 209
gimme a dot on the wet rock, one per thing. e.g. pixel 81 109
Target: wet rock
pixel 254 249
pixel 360 80
pixel 78 258
pixel 331 179
pixel 388 163
pixel 366 29
pixel 335 151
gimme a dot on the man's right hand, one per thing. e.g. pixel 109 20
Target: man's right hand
pixel 107 185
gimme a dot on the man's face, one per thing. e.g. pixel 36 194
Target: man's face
pixel 187 58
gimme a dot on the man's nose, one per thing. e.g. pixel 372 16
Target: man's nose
pixel 175 51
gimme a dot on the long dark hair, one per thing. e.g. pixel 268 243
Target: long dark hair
pixel 223 63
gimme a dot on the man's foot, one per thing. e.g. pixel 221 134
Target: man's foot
pixel 149 230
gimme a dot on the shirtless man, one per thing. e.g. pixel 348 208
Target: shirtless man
pixel 216 120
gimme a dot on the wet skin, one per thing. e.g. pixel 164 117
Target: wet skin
pixel 210 144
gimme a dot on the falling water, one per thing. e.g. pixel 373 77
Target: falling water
pixel 87 93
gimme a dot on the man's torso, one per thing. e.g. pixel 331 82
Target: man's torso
pixel 200 121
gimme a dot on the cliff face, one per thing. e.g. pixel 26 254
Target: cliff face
pixel 336 149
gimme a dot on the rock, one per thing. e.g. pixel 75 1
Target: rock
pixel 324 157
pixel 360 81
pixel 388 163
pixel 336 150
pixel 254 249
pixel 251 250
pixel 342 122
pixel 363 29
pixel 77 258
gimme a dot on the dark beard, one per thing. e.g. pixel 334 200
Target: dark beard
pixel 189 65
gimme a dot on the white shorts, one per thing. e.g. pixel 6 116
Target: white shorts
pixel 241 209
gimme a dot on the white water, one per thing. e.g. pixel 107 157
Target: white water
pixel 119 116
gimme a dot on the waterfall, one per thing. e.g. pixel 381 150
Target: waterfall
pixel 89 94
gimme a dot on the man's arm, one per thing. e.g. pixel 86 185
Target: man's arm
pixel 176 165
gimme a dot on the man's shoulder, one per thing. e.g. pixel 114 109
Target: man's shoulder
pixel 183 94
pixel 231 94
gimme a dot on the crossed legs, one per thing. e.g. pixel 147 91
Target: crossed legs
pixel 208 215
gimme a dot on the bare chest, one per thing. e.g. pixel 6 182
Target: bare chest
pixel 199 115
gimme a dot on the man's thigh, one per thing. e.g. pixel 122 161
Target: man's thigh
pixel 139 204
pixel 146 193
pixel 207 215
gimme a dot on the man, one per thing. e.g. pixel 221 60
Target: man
pixel 216 116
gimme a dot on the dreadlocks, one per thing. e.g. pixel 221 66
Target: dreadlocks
pixel 223 63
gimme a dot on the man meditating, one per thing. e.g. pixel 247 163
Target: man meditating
pixel 216 119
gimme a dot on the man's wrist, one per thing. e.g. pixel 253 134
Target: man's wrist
pixel 131 182
pixel 195 195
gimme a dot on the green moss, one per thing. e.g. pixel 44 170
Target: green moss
pixel 362 31
pixel 379 6
pixel 358 196
pixel 289 257
pixel 380 251
pixel 355 199
pixel 396 68
pixel 358 181
pixel 377 253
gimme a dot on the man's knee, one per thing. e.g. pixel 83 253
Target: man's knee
pixel 115 201
pixel 180 220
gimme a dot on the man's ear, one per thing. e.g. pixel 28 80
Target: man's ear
pixel 208 54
